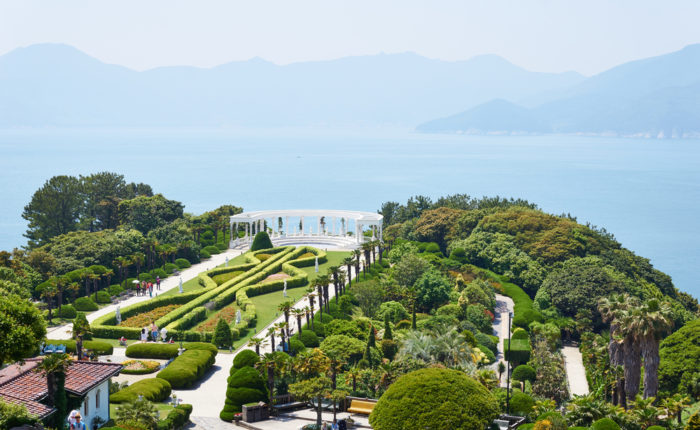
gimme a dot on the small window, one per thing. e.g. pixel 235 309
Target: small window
pixel 97 400
pixel 87 404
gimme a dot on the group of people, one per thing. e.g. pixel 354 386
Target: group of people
pixel 337 425
pixel 143 287
pixel 75 421
pixel 153 332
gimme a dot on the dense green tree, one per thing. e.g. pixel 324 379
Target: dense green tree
pixel 369 297
pixel 680 355
pixel 432 289
pixel 22 327
pixel 409 269
pixel 147 213
pixel 54 209
pixel 437 225
pixel 15 415
pixel 261 241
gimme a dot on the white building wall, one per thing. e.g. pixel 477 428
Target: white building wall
pixel 93 410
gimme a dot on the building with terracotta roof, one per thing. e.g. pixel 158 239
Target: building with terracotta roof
pixel 88 380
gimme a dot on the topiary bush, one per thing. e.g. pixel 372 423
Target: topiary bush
pixel 204 254
pixel 67 311
pixel 182 263
pixel 605 424
pixel 308 338
pixel 152 350
pixel 395 310
pixel 152 389
pixel 247 357
pixel 325 319
pixel 520 333
pixel 158 272
pixel 524 373
pixel 403 325
pixel 115 290
pixel 177 418
pixel 519 351
pixel 521 403
pixel 490 356
pixel 389 348
pixel 85 304
pixel 244 386
pixel 296 346
pixel 170 268
pixel 485 340
pixel 261 241
pixel 187 368
pixel 101 297
pixel 212 250
pixel 435 398
pixel 222 334
pixel 100 347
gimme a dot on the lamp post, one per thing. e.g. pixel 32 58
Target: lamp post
pixel 508 368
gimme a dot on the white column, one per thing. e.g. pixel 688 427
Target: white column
pixel 380 233
pixel 286 225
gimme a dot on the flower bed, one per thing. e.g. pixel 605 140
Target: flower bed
pixel 220 279
pixel 146 318
pixel 139 367
pixel 228 314
pixel 276 277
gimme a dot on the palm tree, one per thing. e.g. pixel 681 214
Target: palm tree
pixel 283 329
pixel 358 256
pixel 268 364
pixel 311 297
pixel 630 339
pixel 367 251
pixel 325 280
pixel 341 282
pixel 373 249
pixel 610 310
pixel 348 262
pixel 49 294
pixel 648 324
pixel 286 307
pixel 138 259
pixel 334 271
pixel 298 313
pixel 351 376
pixel 54 367
pixel 256 343
pixel 271 332
pixel 319 288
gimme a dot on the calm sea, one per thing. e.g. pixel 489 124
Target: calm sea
pixel 646 192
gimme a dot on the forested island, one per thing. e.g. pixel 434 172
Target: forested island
pixel 407 316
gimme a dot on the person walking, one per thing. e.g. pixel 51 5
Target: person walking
pixel 78 424
pixel 150 289
pixel 138 289
pixel 144 335
pixel 158 282
pixel 154 332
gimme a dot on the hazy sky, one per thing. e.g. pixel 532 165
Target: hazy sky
pixel 542 35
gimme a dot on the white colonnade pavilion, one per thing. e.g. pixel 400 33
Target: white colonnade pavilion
pixel 306 225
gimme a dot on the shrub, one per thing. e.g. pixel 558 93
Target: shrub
pixel 162 274
pixel 680 355
pixel 325 319
pixel 247 357
pixel 84 304
pixel 389 348
pixel 308 338
pixel 152 389
pixel 435 398
pixel 261 241
pixel 182 263
pixel 187 368
pixel 485 340
pixel 211 249
pixel 433 248
pixel 523 310
pixel 170 268
pixel 348 328
pixel 524 373
pixel 102 297
pixel 459 255
pixel 452 309
pixel 146 276
pixel 343 347
pixel 67 311
pixel 402 325
pixel 100 347
pixel 490 356
pixel 244 386
pixel 296 346
pixel 656 428
pixel 521 403
pixel 203 254
pixel 81 325
pixel 202 346
pixel 176 418
pixel 221 246
pixel 115 290
pixel 222 334
pixel 395 310
pixel 152 350
pixel 605 424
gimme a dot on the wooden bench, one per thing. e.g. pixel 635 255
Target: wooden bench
pixel 361 406
pixel 286 401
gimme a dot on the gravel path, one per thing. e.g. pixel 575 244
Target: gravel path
pixel 63 331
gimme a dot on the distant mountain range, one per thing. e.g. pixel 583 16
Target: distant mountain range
pixel 654 97
pixel 57 85
pixel 53 85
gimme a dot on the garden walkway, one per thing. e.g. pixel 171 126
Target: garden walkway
pixel 63 331
pixel 575 372
pixel 504 305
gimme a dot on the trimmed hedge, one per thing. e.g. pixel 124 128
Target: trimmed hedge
pixel 67 311
pixel 101 348
pixel 115 290
pixel 187 368
pixel 519 350
pixel 524 312
pixel 85 304
pixel 521 403
pixel 204 254
pixel 211 249
pixel 247 357
pixel 177 418
pixel 245 385
pixel 152 389
pixel 101 297
pixel 152 350
pixel 308 338
pixel 170 268
pixel 520 333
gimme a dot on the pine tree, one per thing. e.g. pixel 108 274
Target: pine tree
pixel 222 334
pixel 388 335
pixel 371 341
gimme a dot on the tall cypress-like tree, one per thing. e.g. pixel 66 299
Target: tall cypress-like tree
pixel 388 334
pixel 222 334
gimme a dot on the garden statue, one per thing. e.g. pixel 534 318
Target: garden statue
pixel 284 292
pixel 226 265
pixel 316 265
pixel 118 315
pixel 180 284
pixel 238 316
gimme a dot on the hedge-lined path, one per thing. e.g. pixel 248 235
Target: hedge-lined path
pixel 575 372
pixel 63 331
pixel 504 305
pixel 207 398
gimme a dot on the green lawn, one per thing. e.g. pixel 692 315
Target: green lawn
pixel 266 305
